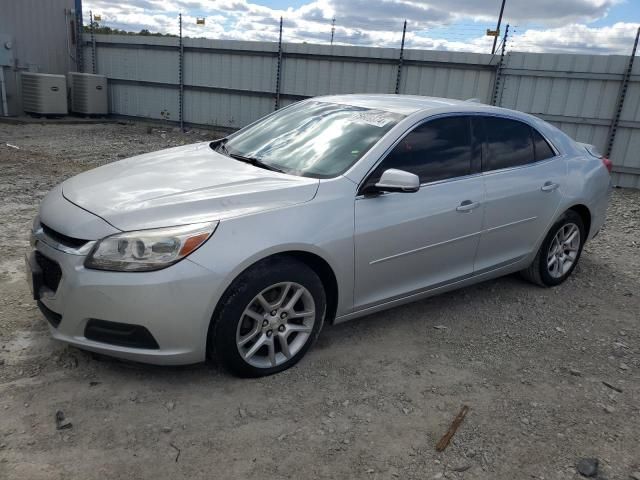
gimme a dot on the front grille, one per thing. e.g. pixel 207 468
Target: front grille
pixel 51 272
pixel 121 334
pixel 52 317
pixel 61 238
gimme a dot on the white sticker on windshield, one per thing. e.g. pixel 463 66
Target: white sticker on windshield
pixel 377 119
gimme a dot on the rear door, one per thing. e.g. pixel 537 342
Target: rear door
pixel 523 179
pixel 408 242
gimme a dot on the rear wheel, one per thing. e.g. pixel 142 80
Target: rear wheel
pixel 268 318
pixel 559 252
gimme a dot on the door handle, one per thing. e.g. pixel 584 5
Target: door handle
pixel 467 206
pixel 549 186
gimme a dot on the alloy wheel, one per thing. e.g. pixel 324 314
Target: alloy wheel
pixel 275 325
pixel 563 250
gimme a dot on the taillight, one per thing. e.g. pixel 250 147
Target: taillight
pixel 608 164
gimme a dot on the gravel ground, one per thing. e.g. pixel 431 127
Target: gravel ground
pixel 369 401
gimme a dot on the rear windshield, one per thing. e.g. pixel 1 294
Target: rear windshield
pixel 313 138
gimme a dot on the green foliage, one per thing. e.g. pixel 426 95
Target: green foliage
pixel 97 29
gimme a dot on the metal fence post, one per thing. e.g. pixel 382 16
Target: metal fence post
pixel 621 96
pixel 498 81
pixel 181 76
pixel 78 36
pixel 279 69
pixel 401 59
pixel 93 44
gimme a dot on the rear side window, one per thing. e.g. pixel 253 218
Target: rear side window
pixel 542 148
pixel 437 150
pixel 509 143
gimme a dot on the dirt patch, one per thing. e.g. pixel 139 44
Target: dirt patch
pixel 369 401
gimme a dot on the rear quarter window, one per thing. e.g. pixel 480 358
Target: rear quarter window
pixel 543 150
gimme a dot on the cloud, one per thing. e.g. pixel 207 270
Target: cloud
pixel 575 38
pixel 432 24
pixel 424 13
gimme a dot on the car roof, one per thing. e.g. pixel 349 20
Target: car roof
pixel 424 106
pixel 403 104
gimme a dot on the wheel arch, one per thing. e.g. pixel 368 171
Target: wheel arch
pixel 327 277
pixel 585 215
pixel 313 260
pixel 580 208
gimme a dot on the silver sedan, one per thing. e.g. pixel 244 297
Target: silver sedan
pixel 326 210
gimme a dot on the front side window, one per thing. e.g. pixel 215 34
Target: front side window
pixel 312 138
pixel 436 150
pixel 509 143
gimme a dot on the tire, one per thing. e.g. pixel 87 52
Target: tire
pixel 540 272
pixel 247 339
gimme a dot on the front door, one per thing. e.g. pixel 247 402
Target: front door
pixel 409 242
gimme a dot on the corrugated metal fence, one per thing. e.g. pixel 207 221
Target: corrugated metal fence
pixel 231 83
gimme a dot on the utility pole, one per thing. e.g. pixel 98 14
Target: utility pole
pixel 333 29
pixel 495 38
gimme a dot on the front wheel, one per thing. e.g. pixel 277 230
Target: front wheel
pixel 268 318
pixel 559 252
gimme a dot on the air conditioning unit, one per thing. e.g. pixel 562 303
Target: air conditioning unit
pixel 44 94
pixel 88 93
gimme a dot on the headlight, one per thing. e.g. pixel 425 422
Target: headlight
pixel 146 250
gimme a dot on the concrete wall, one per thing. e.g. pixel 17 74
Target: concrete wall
pixel 40 35
pixel 232 83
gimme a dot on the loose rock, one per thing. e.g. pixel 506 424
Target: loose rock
pixel 61 422
pixel 461 468
pixel 588 467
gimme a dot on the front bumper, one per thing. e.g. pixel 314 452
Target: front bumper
pixel 174 304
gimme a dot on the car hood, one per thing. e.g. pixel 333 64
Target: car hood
pixel 182 185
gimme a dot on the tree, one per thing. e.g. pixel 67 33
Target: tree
pixel 97 29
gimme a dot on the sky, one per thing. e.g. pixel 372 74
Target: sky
pixel 570 26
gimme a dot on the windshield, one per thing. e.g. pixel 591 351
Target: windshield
pixel 311 138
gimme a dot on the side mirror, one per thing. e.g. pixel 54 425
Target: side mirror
pixel 394 180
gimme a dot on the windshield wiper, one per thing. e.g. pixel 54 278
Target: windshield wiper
pixel 221 147
pixel 254 161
